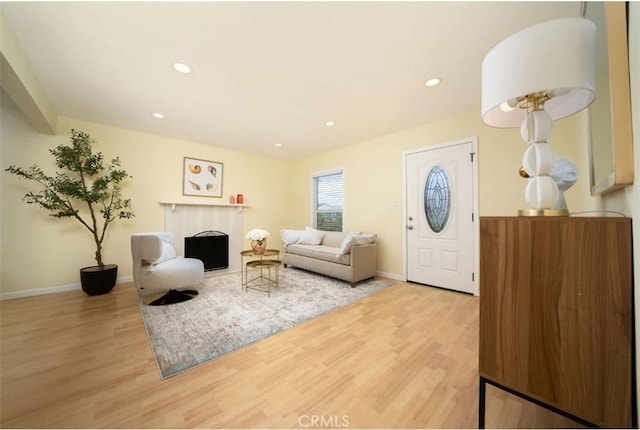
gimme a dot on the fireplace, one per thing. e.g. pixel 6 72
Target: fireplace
pixel 186 219
pixel 211 247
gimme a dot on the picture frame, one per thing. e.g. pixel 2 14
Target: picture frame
pixel 202 178
pixel 610 134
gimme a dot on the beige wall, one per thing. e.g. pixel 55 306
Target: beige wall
pixel 628 199
pixel 279 191
pixel 38 251
pixel 374 176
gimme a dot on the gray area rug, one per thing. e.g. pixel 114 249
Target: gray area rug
pixel 223 318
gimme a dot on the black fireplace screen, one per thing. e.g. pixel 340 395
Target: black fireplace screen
pixel 212 247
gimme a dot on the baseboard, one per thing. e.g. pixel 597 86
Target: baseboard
pixel 52 290
pixel 393 276
pixel 125 279
pixel 221 272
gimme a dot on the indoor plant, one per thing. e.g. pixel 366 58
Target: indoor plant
pixel 87 189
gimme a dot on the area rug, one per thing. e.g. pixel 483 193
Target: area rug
pixel 224 318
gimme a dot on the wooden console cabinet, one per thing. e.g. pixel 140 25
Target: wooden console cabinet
pixel 556 315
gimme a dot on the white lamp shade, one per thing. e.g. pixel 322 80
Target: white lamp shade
pixel 556 56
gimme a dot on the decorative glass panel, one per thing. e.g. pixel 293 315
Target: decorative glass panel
pixel 437 199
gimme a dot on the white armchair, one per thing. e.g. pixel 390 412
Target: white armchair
pixel 157 269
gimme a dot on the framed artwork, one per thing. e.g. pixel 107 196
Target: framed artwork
pixel 611 140
pixel 202 178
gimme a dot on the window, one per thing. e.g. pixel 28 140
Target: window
pixel 328 195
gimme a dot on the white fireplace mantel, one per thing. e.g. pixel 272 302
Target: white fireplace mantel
pixel 174 203
pixel 185 218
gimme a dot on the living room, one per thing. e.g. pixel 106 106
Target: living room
pixel 276 189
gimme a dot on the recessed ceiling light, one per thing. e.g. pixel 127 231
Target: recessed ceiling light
pixel 278 145
pixel 182 68
pixel 330 123
pixel 432 82
pixel 157 115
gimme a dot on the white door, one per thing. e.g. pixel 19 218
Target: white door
pixel 440 219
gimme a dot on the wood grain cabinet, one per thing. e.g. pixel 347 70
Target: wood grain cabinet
pixel 556 315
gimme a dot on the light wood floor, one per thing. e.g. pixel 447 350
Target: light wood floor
pixel 404 358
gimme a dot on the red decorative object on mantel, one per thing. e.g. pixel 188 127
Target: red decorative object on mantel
pixel 239 199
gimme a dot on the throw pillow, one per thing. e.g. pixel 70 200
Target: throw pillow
pixel 311 236
pixel 347 243
pixel 289 237
pixel 364 239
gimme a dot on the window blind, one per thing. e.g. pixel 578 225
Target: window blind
pixel 329 197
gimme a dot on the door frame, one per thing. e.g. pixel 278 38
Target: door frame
pixel 476 224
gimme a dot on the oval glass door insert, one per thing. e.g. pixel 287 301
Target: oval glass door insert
pixel 437 199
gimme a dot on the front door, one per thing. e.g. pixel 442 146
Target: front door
pixel 440 216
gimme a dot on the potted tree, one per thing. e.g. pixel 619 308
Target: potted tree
pixel 87 189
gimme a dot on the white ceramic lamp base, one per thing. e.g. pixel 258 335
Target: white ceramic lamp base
pixel 538 161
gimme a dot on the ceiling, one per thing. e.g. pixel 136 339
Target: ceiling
pixel 266 73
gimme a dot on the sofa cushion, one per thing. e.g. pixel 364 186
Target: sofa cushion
pixel 320 252
pixel 311 236
pixel 333 238
pixel 300 249
pixel 329 253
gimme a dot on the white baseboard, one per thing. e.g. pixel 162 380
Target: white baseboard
pixel 393 276
pixel 124 279
pixel 52 290
pixel 221 272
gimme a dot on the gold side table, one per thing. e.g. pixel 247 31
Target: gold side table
pixel 253 257
pixel 264 281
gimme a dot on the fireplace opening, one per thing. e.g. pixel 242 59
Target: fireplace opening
pixel 211 247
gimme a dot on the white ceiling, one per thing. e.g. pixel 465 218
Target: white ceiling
pixel 267 72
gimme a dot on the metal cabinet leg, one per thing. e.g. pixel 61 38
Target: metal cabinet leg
pixel 481 403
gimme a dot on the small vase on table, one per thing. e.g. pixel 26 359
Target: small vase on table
pixel 258 238
pixel 259 246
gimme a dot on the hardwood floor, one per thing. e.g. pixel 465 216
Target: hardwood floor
pixel 404 358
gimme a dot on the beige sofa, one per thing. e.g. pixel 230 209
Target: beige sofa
pixel 349 256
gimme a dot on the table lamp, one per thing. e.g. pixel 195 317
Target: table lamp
pixel 542 73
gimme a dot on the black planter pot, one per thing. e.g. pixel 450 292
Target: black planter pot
pixel 96 281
